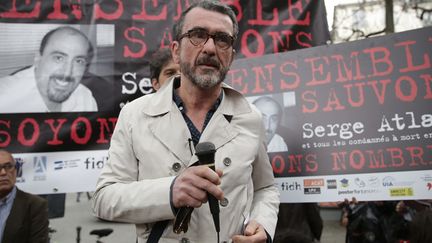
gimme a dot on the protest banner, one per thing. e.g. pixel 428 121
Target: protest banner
pixel 356 117
pixel 64 152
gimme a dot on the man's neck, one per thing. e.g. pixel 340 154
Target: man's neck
pixel 198 101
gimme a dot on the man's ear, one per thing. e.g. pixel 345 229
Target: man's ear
pixel 37 57
pixel 175 51
pixel 232 55
pixel 155 84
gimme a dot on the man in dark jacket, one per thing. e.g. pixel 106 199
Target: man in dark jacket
pixel 298 222
pixel 23 216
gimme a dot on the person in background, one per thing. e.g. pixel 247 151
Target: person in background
pixel 162 67
pixel 373 221
pixel 271 115
pixel 292 237
pixel 418 215
pixel 23 216
pixel 420 227
pixel 152 175
pixel 53 83
pixel 301 222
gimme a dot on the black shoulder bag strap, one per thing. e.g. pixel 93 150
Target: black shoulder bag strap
pixel 157 230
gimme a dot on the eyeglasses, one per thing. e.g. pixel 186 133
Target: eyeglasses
pixel 200 37
pixel 7 167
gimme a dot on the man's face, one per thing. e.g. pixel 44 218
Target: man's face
pixel 61 66
pixel 7 173
pixel 168 70
pixel 270 117
pixel 204 65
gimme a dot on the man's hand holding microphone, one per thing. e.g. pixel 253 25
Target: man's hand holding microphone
pixel 191 187
pixel 200 184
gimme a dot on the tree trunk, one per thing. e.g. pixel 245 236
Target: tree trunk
pixel 389 17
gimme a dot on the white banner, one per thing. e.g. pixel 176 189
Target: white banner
pixel 409 185
pixel 65 172
pixel 60 172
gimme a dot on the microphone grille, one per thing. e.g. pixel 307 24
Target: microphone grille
pixel 205 147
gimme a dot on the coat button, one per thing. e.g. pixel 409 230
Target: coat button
pixel 227 161
pixel 176 166
pixel 224 202
pixel 184 240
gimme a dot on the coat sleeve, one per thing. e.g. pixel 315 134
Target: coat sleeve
pixel 265 205
pixel 38 220
pixel 120 195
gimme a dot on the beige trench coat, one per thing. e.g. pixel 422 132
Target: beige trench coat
pixel 150 146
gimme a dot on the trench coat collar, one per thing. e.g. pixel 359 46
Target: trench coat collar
pixel 169 127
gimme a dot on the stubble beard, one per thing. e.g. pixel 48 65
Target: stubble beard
pixel 208 79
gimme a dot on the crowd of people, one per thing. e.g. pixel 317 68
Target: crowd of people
pixel 386 221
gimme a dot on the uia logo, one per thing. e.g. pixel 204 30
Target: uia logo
pixel 39 168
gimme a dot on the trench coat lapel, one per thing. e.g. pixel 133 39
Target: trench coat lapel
pixel 167 124
pixel 220 130
pixel 172 131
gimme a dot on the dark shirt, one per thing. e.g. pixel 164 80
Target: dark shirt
pixel 195 133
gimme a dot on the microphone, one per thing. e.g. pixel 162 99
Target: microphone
pixel 205 152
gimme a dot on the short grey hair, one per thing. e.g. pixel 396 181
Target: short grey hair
pixel 214 6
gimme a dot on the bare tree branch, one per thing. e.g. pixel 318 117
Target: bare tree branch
pixel 423 10
pixel 360 33
pixel 376 33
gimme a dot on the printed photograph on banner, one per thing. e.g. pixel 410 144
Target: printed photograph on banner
pixel 274 110
pixel 56 68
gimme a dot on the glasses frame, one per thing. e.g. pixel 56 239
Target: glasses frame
pixel 8 167
pixel 189 32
